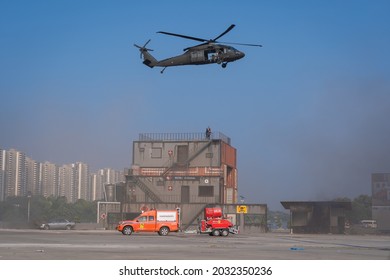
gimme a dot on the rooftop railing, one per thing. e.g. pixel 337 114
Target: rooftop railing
pixel 189 136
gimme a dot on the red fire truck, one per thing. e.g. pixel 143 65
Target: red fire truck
pixel 214 224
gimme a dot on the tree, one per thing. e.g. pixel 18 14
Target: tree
pixel 14 210
pixel 85 211
pixel 40 210
pixel 361 208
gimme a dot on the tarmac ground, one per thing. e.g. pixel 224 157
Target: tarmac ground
pixel 112 245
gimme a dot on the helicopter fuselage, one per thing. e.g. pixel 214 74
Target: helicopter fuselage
pixel 203 55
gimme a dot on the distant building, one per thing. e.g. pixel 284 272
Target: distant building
pixel 33 177
pixel 21 176
pixel 100 179
pixel 74 181
pixel 15 174
pixel 82 190
pixel 50 179
pixel 317 216
pixel 96 183
pixel 66 182
pixel 2 174
pixel 380 186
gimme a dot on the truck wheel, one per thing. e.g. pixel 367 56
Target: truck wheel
pixel 163 231
pixel 216 232
pixel 225 232
pixel 127 230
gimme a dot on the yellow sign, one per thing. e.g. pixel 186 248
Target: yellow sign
pixel 242 209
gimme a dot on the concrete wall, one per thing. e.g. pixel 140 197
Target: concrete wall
pixel 163 154
pixel 382 216
pixel 254 221
pixel 171 191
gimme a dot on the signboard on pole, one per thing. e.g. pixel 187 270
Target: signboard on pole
pixel 242 209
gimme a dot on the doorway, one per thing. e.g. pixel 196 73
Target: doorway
pixel 185 194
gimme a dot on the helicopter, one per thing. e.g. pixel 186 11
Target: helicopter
pixel 209 51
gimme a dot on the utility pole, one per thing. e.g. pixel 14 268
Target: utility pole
pixel 28 207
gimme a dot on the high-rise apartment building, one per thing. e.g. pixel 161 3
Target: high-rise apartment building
pixel 50 179
pixel 74 181
pixel 96 185
pixel 67 181
pixel 15 173
pixel 81 181
pixel 100 179
pixel 21 176
pixel 2 174
pixel 33 177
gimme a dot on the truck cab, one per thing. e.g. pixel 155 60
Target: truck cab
pixel 160 221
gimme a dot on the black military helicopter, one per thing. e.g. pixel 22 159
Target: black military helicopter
pixel 210 51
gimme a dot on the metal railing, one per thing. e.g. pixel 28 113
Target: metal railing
pixel 188 136
pixel 145 188
pixel 176 199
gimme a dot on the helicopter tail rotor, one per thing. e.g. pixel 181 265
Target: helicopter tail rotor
pixel 149 60
pixel 143 48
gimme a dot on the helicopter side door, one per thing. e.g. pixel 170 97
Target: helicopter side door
pixel 197 56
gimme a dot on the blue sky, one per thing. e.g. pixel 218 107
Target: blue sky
pixel 308 113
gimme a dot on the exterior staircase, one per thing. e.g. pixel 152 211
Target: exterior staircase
pixel 144 187
pixel 188 221
pixel 192 156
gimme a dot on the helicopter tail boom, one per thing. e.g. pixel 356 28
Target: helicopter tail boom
pixel 149 59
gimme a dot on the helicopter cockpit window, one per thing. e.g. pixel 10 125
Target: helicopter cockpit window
pixel 221 51
pixel 231 49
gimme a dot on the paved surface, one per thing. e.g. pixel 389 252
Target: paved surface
pixel 112 245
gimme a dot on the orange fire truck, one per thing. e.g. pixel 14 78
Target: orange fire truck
pixel 160 221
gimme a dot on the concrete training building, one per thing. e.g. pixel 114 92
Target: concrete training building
pixel 186 170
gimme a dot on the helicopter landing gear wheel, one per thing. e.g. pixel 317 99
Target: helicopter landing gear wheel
pixel 224 65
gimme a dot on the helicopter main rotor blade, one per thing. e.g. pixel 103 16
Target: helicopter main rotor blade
pixel 205 41
pixel 199 39
pixel 223 33
pixel 241 44
pixel 183 36
pixel 143 48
